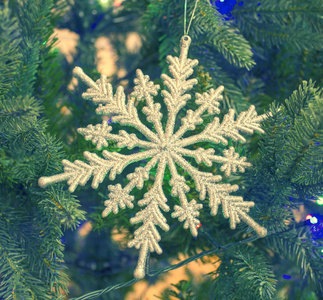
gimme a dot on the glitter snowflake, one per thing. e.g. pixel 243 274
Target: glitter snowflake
pixel 162 147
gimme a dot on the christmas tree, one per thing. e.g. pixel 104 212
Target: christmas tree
pixel 243 67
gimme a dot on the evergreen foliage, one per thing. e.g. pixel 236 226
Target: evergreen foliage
pixel 244 274
pixel 266 53
pixel 31 219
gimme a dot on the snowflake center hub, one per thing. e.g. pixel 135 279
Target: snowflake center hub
pixel 165 146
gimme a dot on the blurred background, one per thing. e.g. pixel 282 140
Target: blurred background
pixel 261 52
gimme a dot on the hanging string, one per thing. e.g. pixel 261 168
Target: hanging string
pixel 185 10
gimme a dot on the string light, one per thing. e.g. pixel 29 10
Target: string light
pixel 320 201
pixel 312 219
pixel 108 3
pixel 117 2
pixel 105 3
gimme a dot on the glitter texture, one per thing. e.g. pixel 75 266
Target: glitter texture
pixel 162 147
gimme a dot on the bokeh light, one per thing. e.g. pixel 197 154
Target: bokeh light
pixel 320 201
pixel 312 219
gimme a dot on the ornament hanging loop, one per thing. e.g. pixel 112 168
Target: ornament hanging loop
pixel 185 11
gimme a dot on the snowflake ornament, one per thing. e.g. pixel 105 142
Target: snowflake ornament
pixel 163 147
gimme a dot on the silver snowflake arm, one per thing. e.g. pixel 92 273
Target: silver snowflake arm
pixel 187 211
pixel 188 214
pixel 145 89
pixel 181 68
pixel 101 92
pixel 200 178
pixel 78 173
pixel 233 206
pixel 208 102
pixel 231 160
pixel 216 132
pixel 146 237
pixel 120 198
pixel 100 134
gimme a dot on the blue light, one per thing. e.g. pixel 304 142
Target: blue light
pixel 287 277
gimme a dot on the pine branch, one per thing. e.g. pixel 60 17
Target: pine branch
pixel 305 115
pixel 233 97
pixel 282 22
pixel 224 37
pixel 299 247
pixel 21 251
pixel 282 11
pixel 30 271
pixel 243 267
pixel 9 41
